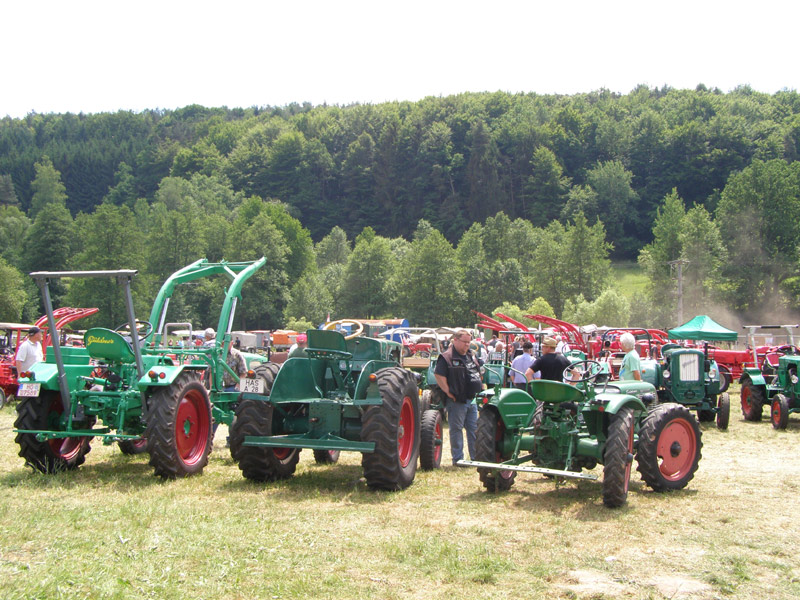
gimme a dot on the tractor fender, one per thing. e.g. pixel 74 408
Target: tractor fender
pixel 616 402
pixel 755 376
pixel 366 388
pixel 46 374
pixel 171 373
pixel 514 406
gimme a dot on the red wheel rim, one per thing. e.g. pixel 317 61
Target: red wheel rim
pixel 438 437
pixel 65 448
pixel 776 412
pixel 192 427
pixel 406 433
pixel 282 453
pixel 746 405
pixel 677 446
pixel 139 444
pixel 628 459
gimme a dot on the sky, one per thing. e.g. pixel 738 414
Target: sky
pixel 103 56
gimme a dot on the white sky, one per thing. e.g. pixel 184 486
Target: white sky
pixel 101 56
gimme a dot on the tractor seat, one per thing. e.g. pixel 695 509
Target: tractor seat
pixel 327 344
pixel 107 345
pixel 554 392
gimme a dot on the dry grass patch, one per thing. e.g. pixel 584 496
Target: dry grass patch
pixel 112 530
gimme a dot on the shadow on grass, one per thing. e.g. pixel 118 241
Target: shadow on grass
pixel 583 500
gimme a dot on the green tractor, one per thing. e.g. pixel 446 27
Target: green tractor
pixel 559 429
pixel 148 396
pixel 348 393
pixel 779 389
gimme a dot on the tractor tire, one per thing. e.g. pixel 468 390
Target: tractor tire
pixel 179 428
pixel 669 447
pixel 439 402
pixel 490 433
pixel 725 379
pixel 394 427
pixel 617 459
pixel 257 463
pixel 425 402
pixel 132 447
pixel 51 456
pixel 267 371
pixel 3 398
pixel 752 400
pixel 326 457
pixel 723 411
pixel 431 437
pixel 779 415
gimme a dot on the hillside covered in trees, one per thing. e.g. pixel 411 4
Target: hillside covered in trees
pixel 506 186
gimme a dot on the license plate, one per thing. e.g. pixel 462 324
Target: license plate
pixel 28 390
pixel 251 386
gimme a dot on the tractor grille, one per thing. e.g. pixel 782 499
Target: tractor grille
pixel 690 367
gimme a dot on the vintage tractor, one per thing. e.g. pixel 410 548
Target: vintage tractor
pixel 779 388
pixel 147 396
pixel 559 429
pixel 347 393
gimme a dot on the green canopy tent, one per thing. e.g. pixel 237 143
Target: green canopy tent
pixel 702 327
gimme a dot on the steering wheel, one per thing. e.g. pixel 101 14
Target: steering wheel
pixel 589 370
pixel 359 327
pixel 143 329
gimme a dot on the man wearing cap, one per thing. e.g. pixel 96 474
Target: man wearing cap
pixel 30 350
pixel 550 364
pixel 299 347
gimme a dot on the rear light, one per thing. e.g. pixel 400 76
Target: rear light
pixel 373 378
pixel 251 374
pixel 162 375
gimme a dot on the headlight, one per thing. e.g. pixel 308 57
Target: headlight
pixel 794 379
pixel 712 373
pixel 666 373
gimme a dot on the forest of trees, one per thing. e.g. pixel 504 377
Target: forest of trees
pixel 422 209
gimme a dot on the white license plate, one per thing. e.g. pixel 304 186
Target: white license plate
pixel 251 386
pixel 28 390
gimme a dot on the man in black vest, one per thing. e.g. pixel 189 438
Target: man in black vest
pixel 458 375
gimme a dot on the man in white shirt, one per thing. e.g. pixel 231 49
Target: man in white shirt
pixel 30 350
pixel 562 347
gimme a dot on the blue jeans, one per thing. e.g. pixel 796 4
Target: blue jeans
pixel 462 416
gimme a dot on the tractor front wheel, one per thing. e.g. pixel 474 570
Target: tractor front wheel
pixel 488 448
pixel 618 456
pixel 267 371
pixel 3 398
pixel 430 446
pixel 133 446
pixel 723 410
pixel 259 463
pixel 752 400
pixel 44 413
pixel 179 428
pixel 725 379
pixel 780 411
pixel 394 428
pixel 669 447
pixel 326 457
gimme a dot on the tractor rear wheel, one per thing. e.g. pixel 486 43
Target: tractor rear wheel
pixel 259 463
pixel 430 446
pixel 394 427
pixel 179 428
pixel 60 454
pixel 425 402
pixel 488 442
pixel 617 459
pixel 133 446
pixel 752 400
pixel 267 371
pixel 326 457
pixel 723 410
pixel 780 411
pixel 669 447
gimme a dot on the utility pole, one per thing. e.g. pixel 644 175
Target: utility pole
pixel 679 264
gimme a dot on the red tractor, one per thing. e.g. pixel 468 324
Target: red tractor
pixel 14 333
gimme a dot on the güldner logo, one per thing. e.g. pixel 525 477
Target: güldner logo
pixel 98 340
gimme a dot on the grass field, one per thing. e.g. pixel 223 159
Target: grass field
pixel 112 530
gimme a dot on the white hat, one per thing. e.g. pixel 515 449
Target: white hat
pixel 209 332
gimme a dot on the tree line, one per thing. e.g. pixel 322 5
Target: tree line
pixel 425 209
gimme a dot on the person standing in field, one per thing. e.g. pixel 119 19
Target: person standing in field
pixel 631 368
